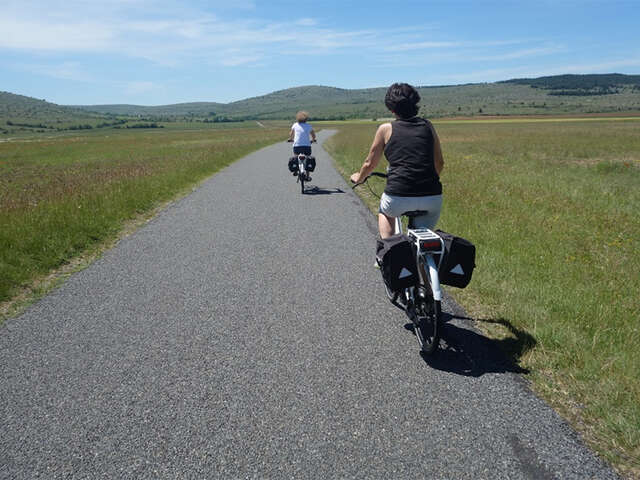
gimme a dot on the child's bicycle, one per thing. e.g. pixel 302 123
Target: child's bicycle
pixel 422 301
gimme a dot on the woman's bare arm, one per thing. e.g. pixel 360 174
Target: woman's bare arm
pixel 438 159
pixel 375 153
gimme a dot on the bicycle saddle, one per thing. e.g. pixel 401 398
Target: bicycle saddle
pixel 415 213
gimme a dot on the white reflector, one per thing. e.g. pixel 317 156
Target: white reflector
pixel 405 273
pixel 457 269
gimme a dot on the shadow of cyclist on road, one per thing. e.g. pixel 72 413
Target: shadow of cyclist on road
pixel 465 351
pixel 314 190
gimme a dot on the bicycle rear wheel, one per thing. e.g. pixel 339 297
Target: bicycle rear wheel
pixel 427 326
pixel 301 177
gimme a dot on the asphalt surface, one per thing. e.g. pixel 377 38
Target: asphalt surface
pixel 244 333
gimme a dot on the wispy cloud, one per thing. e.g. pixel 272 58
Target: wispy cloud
pixel 171 34
pixel 529 71
pixel 429 45
pixel 468 53
pixel 65 71
pixel 137 88
pixel 178 43
pixel 405 47
pixel 524 53
pixel 24 34
pixel 601 67
pixel 235 61
pixel 306 22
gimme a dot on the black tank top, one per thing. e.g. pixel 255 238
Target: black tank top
pixel 409 152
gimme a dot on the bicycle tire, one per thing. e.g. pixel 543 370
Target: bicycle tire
pixel 428 326
pixel 390 294
pixel 301 177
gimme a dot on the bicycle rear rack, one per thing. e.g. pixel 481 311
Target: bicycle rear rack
pixel 428 244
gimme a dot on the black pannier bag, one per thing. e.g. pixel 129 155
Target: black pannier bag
pixel 311 164
pixel 458 262
pixel 397 261
pixel 293 164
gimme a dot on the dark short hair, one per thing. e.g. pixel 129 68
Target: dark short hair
pixel 402 99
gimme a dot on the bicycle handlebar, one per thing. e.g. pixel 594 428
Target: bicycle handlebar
pixel 372 174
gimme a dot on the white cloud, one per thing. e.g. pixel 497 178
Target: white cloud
pixel 37 35
pixel 404 47
pixel 138 88
pixel 235 61
pixel 73 26
pixel 65 71
pixel 528 71
pixel 306 22
pixel 170 33
pixel 529 52
pixel 428 45
pixel 600 67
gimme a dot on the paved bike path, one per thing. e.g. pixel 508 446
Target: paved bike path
pixel 243 333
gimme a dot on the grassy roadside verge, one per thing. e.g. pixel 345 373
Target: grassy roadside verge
pixel 63 199
pixel 552 208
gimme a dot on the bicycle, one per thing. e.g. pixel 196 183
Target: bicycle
pixel 422 303
pixel 302 170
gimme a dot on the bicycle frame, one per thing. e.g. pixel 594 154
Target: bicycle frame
pixel 302 160
pixel 422 302
pixel 301 174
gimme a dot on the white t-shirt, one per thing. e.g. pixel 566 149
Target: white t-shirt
pixel 301 134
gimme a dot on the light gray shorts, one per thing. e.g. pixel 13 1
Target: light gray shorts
pixel 394 206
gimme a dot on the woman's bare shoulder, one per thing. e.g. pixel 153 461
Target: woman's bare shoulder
pixel 385 131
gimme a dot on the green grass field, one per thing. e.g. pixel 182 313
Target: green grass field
pixel 63 196
pixel 553 210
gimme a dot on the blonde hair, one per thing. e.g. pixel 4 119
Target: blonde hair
pixel 302 116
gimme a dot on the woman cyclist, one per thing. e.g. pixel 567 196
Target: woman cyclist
pixel 412 149
pixel 302 134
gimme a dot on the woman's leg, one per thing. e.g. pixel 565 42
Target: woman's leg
pixel 386 225
pixel 386 217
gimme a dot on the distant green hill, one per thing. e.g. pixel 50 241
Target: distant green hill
pixel 560 94
pixel 579 82
pixel 178 109
pixel 25 114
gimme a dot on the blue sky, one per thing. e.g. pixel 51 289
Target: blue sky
pixel 160 52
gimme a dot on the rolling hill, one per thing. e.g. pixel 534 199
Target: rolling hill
pixel 18 111
pixel 561 94
pixel 543 95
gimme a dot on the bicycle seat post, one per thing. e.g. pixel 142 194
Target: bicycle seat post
pixel 411 215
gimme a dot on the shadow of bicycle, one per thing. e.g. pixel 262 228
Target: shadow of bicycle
pixel 314 190
pixel 465 351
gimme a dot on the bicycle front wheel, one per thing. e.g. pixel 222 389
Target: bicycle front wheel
pixel 428 325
